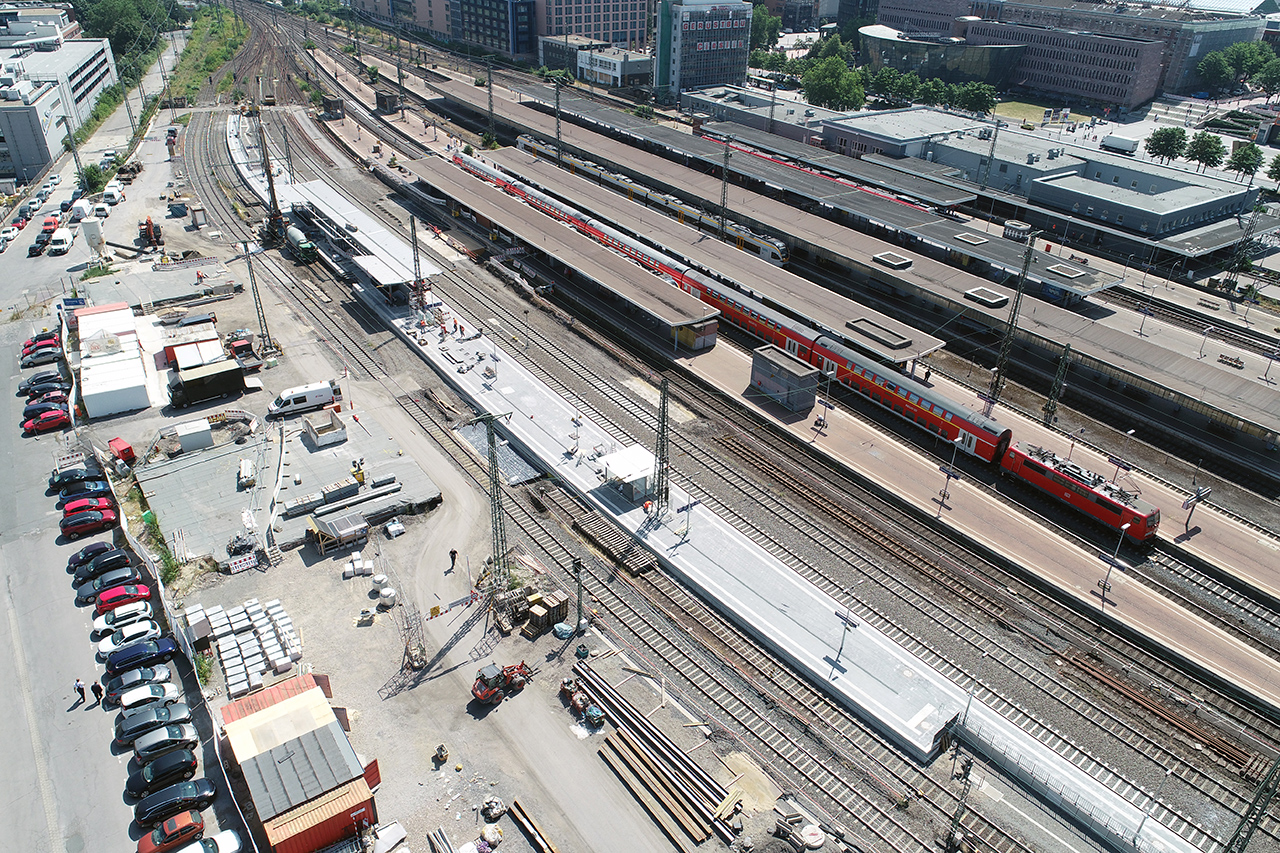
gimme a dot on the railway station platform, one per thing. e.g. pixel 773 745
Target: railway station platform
pixel 1075 572
pixel 669 306
pixel 838 316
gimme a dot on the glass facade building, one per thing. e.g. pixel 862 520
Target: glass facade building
pixel 701 43
pixel 506 26
pixel 947 59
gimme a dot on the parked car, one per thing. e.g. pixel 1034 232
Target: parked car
pixel 116 577
pixel 85 489
pixel 227 841
pixel 177 831
pixel 37 248
pixel 110 599
pixel 87 505
pixel 61 479
pixel 82 523
pixel 47 422
pixel 177 766
pixel 148 695
pixel 130 727
pixel 121 616
pixel 65 206
pixel 19 222
pixel 34 410
pixel 40 378
pixel 38 337
pixel 50 397
pixel 87 553
pixel 161 650
pixel 42 388
pixel 127 636
pixel 41 355
pixel 10 232
pixel 195 794
pixel 115 558
pixel 126 681
pixel 55 179
pixel 154 744
pixel 27 349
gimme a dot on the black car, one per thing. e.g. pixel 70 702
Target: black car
pixel 61 479
pixel 39 379
pixel 39 337
pixel 85 489
pixel 116 577
pixel 42 388
pixel 35 410
pixel 37 248
pixel 197 794
pixel 147 653
pixel 87 553
pixel 130 727
pixel 106 561
pixel 65 206
pixel 172 767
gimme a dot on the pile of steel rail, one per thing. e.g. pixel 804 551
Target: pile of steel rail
pixel 681 797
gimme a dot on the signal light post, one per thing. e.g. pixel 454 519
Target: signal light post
pixel 1105 583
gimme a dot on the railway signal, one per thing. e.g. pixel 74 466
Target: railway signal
pixel 1201 493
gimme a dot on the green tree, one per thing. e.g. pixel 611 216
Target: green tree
pixel 974 97
pixel 829 83
pixel 883 82
pixel 373 72
pixel 1167 143
pixel 764 27
pixel 1207 149
pixel 933 92
pixel 1215 70
pixel 1245 160
pixel 1268 79
pixel 834 46
pixel 905 90
pixel 1273 171
pixel 1247 58
pixel 92 179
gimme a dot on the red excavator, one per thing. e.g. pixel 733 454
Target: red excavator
pixel 494 683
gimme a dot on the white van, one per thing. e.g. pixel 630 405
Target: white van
pixel 61 241
pixel 80 209
pixel 304 398
pixel 113 195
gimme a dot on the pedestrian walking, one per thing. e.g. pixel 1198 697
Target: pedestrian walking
pixel 79 686
pixel 97 693
pixel 453 558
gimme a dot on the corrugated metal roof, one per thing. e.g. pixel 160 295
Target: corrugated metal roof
pixel 302 769
pixel 298 820
pixel 266 698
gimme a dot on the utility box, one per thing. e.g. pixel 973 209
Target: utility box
pixel 199 217
pixel 388 102
pixel 784 378
pixel 333 107
pixel 194 435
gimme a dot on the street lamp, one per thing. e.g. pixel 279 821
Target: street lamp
pixel 1204 340
pixel 1271 359
pixel 1119 460
pixel 1145 311
pixel 1151 805
pixel 1074 435
pixel 1105 583
pixel 951 474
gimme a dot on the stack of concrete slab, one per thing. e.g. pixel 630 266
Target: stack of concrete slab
pixel 251 641
pixel 357 567
pixel 198 622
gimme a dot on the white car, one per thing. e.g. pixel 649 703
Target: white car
pixel 10 233
pixel 127 614
pixel 227 841
pixel 55 179
pixel 127 636
pixel 148 696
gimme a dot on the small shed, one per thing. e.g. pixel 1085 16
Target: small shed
pixel 333 107
pixel 114 383
pixel 388 102
pixel 784 378
pixel 337 530
pixel 631 470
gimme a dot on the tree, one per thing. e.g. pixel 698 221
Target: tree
pixel 1268 79
pixel 1273 171
pixel 1207 149
pixel 764 28
pixel 933 92
pixel 974 97
pixel 833 46
pixel 829 83
pixel 907 87
pixel 1245 160
pixel 883 82
pixel 1215 70
pixel 1167 143
pixel 373 72
pixel 93 179
pixel 1247 58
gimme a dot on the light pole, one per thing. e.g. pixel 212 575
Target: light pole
pixel 1204 340
pixel 1151 805
pixel 951 474
pixel 1105 583
pixel 1125 271
pixel 1119 460
pixel 1074 436
pixel 1271 359
pixel 1145 311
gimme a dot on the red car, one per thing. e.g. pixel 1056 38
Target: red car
pixel 32 346
pixel 182 828
pixel 47 422
pixel 31 342
pixel 51 397
pixel 112 598
pixel 87 521
pixel 19 223
pixel 87 505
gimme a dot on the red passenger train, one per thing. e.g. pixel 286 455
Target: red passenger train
pixel 972 431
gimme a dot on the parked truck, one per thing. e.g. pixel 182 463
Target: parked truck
pixel 207 382
pixel 303 249
pixel 1119 144
pixel 241 349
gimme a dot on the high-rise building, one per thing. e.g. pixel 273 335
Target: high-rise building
pixel 621 24
pixel 701 43
pixel 507 26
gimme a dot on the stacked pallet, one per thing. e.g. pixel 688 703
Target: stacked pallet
pixel 251 641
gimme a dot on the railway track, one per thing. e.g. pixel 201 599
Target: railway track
pixel 1259 343
pixel 551 540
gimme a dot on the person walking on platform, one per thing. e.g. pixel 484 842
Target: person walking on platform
pixel 79 688
pixel 453 558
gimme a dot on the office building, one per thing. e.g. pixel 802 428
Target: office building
pixel 47 93
pixel 701 43
pixel 506 26
pixel 560 53
pixel 621 24
pixel 614 68
pixel 433 17
pixel 1121 53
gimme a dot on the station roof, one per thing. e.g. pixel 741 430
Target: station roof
pixel 823 308
pixel 907 124
pixel 918 187
pixel 628 281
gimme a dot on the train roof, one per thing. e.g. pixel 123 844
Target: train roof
pixel 1093 480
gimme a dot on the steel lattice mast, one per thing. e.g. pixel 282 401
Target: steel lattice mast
pixel 662 459
pixel 499 572
pixel 418 296
pixel 1006 345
